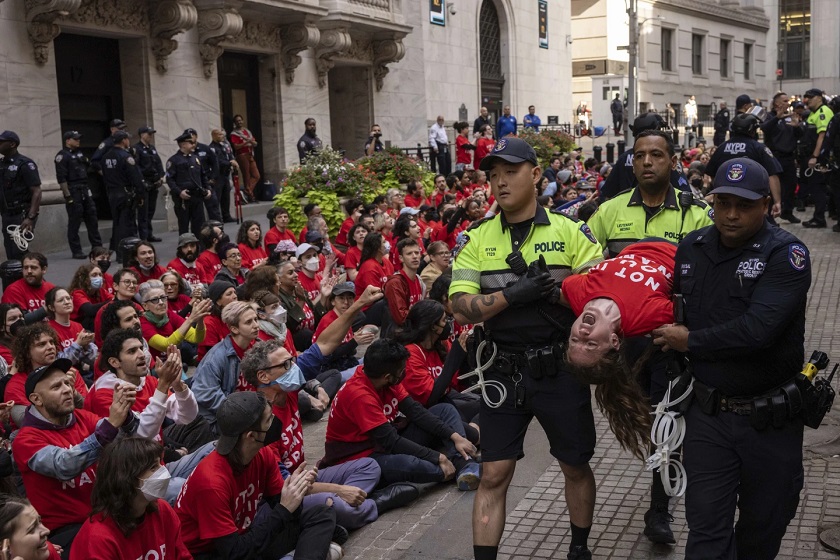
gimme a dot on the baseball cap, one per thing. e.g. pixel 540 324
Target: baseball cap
pixel 563 176
pixel 190 131
pixel 511 150
pixel 120 135
pixel 235 416
pixel 312 236
pixel 184 138
pixel 75 134
pixel 62 364
pixel 742 100
pixel 742 177
pixel 117 123
pixel 144 129
pixel 304 247
pixel 648 121
pixel 409 210
pixel 344 288
pixel 8 135
pixel 813 92
pixel 186 239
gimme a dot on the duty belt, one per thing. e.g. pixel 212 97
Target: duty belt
pixel 774 407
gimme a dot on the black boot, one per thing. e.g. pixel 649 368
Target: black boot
pixel 814 223
pixel 790 217
pixel 658 524
pixel 394 496
pixel 579 553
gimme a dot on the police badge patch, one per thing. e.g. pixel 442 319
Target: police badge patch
pixel 588 233
pixel 798 256
pixel 461 242
pixel 735 173
pixel 58 158
pixel 500 145
pixel 711 213
pixel 130 160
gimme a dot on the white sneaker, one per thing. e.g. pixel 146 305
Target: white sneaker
pixel 335 552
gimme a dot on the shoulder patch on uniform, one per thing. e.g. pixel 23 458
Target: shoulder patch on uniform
pixel 588 233
pixel 31 165
pixel 822 116
pixel 58 158
pixel 461 242
pixel 711 213
pixel 302 145
pixel 130 160
pixel 168 164
pixel 767 151
pixel 798 256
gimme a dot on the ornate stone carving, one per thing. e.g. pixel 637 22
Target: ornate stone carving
pixel 262 35
pixel 40 23
pixel 123 14
pixel 379 4
pixel 295 38
pixel 214 26
pixel 170 18
pixel 384 53
pixel 334 42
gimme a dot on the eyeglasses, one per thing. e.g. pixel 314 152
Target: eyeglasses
pixel 286 364
pixel 442 254
pixel 128 283
pixel 170 285
pixel 159 299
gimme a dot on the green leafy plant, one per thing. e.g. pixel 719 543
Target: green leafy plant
pixel 327 170
pixel 547 143
pixel 405 168
pixel 289 199
pixel 428 183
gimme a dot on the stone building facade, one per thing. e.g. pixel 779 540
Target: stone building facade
pixel 173 64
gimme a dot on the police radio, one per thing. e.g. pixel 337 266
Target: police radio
pixel 817 394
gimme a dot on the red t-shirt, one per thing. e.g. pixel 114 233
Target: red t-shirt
pixel 356 410
pixel 215 502
pixel 66 334
pixel 189 273
pixel 241 383
pixel 412 201
pixel 312 286
pixel 150 330
pixel 439 233
pixel 60 502
pixel 157 537
pixel 28 297
pixel 252 258
pixel 341 238
pixel 373 273
pixel 325 322
pixel 99 399
pixel 421 370
pixel 289 448
pixel 6 354
pixel 208 264
pixel 483 147
pixel 16 388
pixel 80 297
pixel 352 258
pixel 462 155
pixel 275 236
pixel 178 303
pixel 214 331
pixel 436 198
pixel 154 274
pixel 639 280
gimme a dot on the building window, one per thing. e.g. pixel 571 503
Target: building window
pixel 724 58
pixel 697 53
pixel 748 61
pixel 794 54
pixel 667 49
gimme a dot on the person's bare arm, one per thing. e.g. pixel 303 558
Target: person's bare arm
pixel 477 308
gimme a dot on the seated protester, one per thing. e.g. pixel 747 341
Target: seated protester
pixel 220 294
pixel 303 315
pixel 22 531
pixel 29 291
pixel 440 257
pixel 177 299
pixel 125 288
pixel 145 263
pixel 231 270
pixel 329 254
pixel 308 275
pixel 413 194
pixel 185 262
pixel 440 293
pixel 354 208
pixel 217 375
pixel 438 196
pixel 249 240
pixel 125 365
pixel 272 317
pixel 262 278
pixel 356 238
pixel 89 293
pixel 405 227
pixel 101 257
pixel 34 347
pixel 74 343
pixel 309 210
pixel 404 288
pixel 283 251
pixel 363 423
pixel 11 319
pixel 208 261
pixel 219 505
pixel 122 315
pixel 433 362
pixel 374 270
pixel 450 225
pixel 57 448
pixel 130 518
pixel 278 217
pixel 344 357
pixel 270 367
pixel 163 328
pixel 383 224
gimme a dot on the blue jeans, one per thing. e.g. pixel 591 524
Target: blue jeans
pixel 361 473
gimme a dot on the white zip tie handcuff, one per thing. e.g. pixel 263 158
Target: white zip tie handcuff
pixel 481 383
pixel 819 168
pixel 667 434
pixel 22 238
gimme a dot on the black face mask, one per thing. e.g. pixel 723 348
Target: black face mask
pixel 447 330
pixel 103 265
pixel 273 433
pixel 16 326
pixel 697 183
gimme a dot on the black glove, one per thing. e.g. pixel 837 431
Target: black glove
pixel 528 288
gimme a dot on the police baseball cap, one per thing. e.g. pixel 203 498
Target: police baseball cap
pixel 344 288
pixel 185 137
pixel 120 135
pixel 742 177
pixel 9 136
pixel 145 129
pixel 798 105
pixel 118 123
pixel 62 364
pixel 190 131
pixel 648 121
pixel 814 92
pixel 74 134
pixel 511 150
pixel 313 236
pixel 235 416
pixel 742 100
pixel 186 239
pixel 304 247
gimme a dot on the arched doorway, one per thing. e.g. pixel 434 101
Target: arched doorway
pixel 490 55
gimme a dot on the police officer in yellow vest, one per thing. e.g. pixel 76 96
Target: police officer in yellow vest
pixel 811 181
pixel 507 275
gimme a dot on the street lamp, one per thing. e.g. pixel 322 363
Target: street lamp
pixel 633 64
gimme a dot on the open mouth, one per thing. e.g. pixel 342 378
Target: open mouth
pixel 588 319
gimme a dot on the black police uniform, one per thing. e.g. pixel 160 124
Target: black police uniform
pixel 71 168
pixel 185 173
pixel 18 176
pixel 622 178
pixel 479 122
pixel 721 126
pixel 742 146
pixel 745 312
pixel 224 155
pixel 830 155
pixel 103 148
pixel 211 170
pixel 377 145
pixel 124 186
pixel 151 167
pixel 307 145
pixel 782 139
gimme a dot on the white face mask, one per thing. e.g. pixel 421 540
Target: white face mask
pixel 155 487
pixel 279 315
pixel 313 264
pixel 387 247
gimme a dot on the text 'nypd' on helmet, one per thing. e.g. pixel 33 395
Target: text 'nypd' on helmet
pixel 745 123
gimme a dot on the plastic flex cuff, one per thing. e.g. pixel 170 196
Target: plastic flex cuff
pixel 667 434
pixel 481 383
pixel 22 238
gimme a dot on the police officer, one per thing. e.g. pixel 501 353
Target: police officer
pixel 20 192
pixel 622 178
pixel 211 170
pixel 309 142
pixel 745 285
pixel 124 185
pixel 151 167
pixel 498 280
pixel 743 104
pixel 227 162
pixel 104 146
pixel 188 185
pixel 742 143
pixel 810 147
pixel 71 173
pixel 781 134
pixel 721 124
pixel 830 154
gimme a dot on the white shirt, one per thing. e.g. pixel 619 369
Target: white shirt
pixel 437 134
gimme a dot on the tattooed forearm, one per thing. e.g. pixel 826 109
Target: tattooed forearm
pixel 477 308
